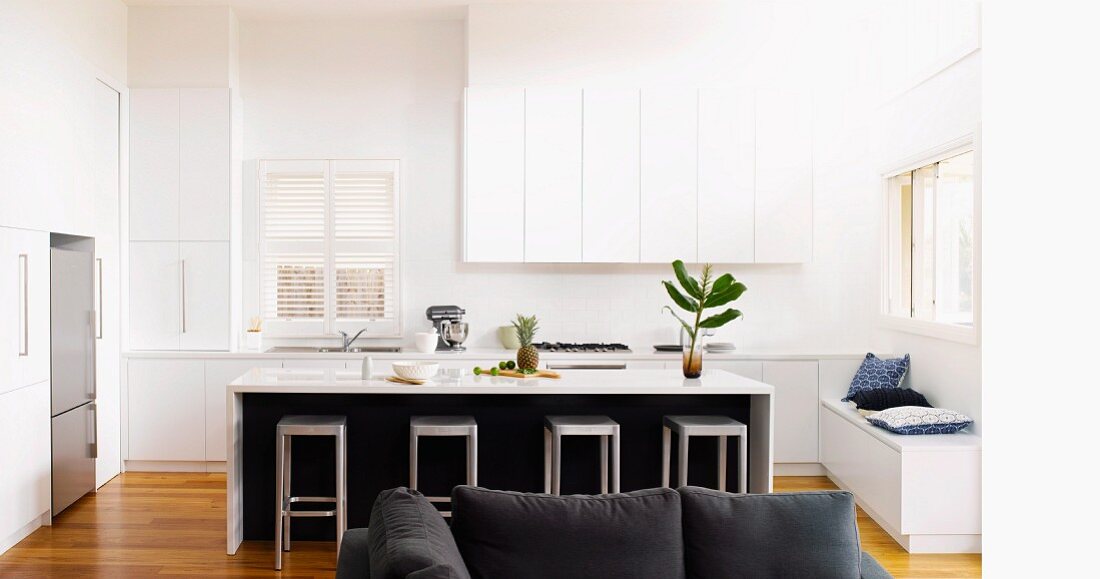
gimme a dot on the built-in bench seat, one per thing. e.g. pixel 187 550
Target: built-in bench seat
pixel 925 490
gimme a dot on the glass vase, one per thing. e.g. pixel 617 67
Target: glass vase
pixel 693 360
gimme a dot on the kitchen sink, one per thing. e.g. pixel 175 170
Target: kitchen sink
pixel 334 350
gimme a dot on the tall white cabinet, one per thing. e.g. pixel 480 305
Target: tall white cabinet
pixel 570 175
pixel 181 188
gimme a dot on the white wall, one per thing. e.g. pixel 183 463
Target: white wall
pixel 50 56
pixel 182 46
pixel 394 88
pixel 920 113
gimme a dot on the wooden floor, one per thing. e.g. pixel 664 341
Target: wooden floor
pixel 161 524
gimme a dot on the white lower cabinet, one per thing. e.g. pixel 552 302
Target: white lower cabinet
pixel 167 410
pixel 748 369
pixel 25 459
pixel 796 412
pixel 219 373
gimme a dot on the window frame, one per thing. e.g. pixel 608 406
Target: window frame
pixel 969 142
pixel 328 326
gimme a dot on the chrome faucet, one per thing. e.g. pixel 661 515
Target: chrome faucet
pixel 347 342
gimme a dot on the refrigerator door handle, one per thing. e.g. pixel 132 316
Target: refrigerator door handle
pixel 93 446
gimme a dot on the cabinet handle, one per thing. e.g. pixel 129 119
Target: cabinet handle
pixel 99 270
pixel 24 348
pixel 183 296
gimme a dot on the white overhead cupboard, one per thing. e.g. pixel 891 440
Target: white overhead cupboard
pixel 572 175
pixel 181 188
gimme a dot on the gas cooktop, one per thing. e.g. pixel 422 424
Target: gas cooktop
pixel 590 348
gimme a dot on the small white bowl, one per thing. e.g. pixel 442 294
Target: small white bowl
pixel 415 370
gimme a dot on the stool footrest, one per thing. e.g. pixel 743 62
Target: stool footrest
pixel 296 514
pixel 438 499
pixel 311 499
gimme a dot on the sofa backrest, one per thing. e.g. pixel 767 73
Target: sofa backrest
pixel 810 534
pixel 408 538
pixel 633 535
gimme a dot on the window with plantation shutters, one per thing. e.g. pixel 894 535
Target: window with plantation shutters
pixel 329 246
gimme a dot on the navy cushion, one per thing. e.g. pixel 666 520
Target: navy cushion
pixel 889 398
pixel 512 535
pixel 777 535
pixel 408 537
pixel 875 374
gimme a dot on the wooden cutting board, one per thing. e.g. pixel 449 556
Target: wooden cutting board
pixel 518 374
pixel 400 380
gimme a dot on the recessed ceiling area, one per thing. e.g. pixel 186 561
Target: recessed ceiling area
pixel 337 9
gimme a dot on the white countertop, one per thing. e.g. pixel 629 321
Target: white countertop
pixel 325 381
pixel 495 354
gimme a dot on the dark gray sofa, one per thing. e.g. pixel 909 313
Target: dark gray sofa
pixel 687 533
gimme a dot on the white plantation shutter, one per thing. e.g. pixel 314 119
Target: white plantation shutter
pixel 365 230
pixel 329 232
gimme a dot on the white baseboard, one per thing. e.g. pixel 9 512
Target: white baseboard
pixel 23 532
pixel 798 469
pixel 174 466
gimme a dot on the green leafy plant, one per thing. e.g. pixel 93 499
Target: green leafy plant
pixel 700 295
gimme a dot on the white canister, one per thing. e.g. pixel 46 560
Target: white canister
pixel 426 341
pixel 368 368
pixel 254 341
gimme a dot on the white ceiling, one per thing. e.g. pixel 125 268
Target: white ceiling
pixel 339 9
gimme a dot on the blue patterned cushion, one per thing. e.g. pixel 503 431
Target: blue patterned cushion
pixel 875 374
pixel 920 420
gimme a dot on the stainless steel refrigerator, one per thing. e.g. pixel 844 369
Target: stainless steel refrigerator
pixel 72 374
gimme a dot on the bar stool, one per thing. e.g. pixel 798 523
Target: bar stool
pixel 559 426
pixel 721 426
pixel 288 427
pixel 443 426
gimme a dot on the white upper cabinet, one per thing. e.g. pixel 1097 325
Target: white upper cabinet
pixel 669 158
pixel 25 315
pixel 611 232
pixel 204 300
pixel 204 132
pixel 552 192
pixel 494 212
pixel 727 176
pixel 156 284
pixel 784 177
pixel 154 164
pixel 614 175
pixel 179 164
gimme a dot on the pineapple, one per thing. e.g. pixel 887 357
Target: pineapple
pixel 527 358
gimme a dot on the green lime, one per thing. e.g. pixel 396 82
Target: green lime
pixel 477 370
pixel 494 372
pixel 511 364
pixel 503 365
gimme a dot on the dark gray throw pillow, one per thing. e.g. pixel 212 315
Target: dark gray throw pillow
pixel 889 398
pixel 408 538
pixel 780 535
pixel 510 535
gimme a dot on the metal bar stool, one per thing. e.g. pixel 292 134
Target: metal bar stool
pixel 290 426
pixel 559 426
pixel 443 426
pixel 721 426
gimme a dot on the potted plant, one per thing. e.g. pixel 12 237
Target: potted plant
pixel 699 295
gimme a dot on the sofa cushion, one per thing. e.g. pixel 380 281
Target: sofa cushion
pixel 776 535
pixel 633 535
pixel 408 537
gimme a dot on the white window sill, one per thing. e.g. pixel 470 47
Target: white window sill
pixel 939 330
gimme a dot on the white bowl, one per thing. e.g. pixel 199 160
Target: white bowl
pixel 415 370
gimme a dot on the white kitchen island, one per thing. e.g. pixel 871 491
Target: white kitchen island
pixel 636 398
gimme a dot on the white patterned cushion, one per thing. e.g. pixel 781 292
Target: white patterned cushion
pixel 920 420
